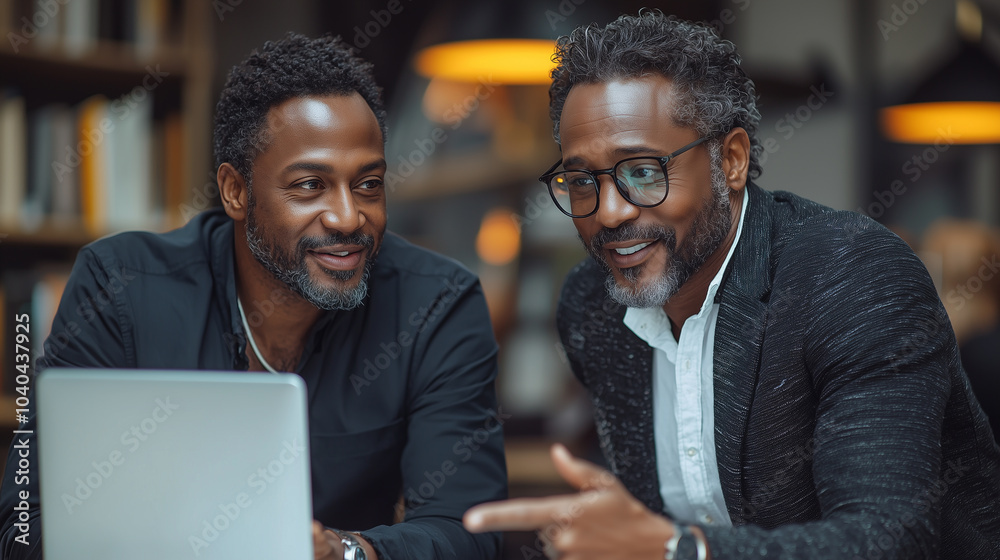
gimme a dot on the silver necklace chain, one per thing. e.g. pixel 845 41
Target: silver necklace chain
pixel 253 344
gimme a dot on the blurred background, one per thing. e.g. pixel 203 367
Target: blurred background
pixel 889 108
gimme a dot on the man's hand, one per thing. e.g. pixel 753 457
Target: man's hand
pixel 326 543
pixel 603 521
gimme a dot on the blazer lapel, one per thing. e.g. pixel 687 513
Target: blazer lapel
pixel 739 333
pixel 624 407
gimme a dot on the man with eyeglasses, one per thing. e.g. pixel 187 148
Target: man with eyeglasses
pixel 771 378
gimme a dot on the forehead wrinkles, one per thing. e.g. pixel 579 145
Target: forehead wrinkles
pixel 623 112
pixel 595 143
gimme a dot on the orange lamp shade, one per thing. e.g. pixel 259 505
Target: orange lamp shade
pixel 958 122
pixel 505 61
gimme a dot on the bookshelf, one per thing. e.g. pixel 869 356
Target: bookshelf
pixel 105 124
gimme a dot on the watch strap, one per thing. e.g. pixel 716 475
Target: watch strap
pixel 670 547
pixel 352 547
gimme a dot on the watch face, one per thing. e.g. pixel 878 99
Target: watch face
pixel 687 547
pixel 352 548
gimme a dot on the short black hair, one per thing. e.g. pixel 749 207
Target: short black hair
pixel 295 66
pixel 716 95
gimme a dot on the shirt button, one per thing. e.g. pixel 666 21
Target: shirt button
pixel 692 451
pixel 709 519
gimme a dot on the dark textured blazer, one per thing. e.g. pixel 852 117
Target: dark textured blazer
pixel 844 424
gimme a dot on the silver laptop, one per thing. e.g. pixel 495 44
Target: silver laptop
pixel 173 464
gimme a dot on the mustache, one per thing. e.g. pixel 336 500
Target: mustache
pixel 629 232
pixel 307 243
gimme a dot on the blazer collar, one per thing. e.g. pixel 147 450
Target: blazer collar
pixel 739 334
pixel 749 271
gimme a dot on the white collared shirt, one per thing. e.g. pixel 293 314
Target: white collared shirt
pixel 683 404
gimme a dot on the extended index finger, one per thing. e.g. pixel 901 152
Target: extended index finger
pixel 522 514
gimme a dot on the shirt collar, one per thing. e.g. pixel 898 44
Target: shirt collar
pixel 651 323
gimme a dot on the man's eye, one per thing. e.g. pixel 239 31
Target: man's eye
pixel 310 185
pixel 643 172
pixel 371 185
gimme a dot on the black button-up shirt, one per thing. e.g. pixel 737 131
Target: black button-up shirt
pixel 401 389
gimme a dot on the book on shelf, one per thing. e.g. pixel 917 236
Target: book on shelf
pixel 105 165
pixel 65 204
pixel 92 156
pixel 81 21
pixel 38 195
pixel 77 27
pixel 13 158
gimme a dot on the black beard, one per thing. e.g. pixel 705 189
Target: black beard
pixel 705 235
pixel 291 269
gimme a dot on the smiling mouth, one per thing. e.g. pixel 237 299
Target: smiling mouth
pixel 629 256
pixel 633 249
pixel 339 260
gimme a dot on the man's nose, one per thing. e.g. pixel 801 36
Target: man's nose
pixel 614 209
pixel 342 213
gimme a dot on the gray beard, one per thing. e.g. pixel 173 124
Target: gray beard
pixel 292 270
pixel 706 234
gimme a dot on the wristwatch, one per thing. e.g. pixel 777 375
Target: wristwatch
pixel 687 545
pixel 352 548
pixel 684 545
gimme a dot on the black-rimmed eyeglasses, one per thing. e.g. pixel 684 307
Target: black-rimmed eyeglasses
pixel 641 180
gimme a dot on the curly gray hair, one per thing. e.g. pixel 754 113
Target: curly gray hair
pixel 716 94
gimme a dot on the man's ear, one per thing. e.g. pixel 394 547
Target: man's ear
pixel 233 190
pixel 736 158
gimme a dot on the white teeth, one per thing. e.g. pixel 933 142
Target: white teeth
pixel 341 254
pixel 632 249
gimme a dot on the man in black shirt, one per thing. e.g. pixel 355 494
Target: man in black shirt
pixel 398 355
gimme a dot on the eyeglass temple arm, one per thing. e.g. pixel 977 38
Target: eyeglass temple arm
pixel 685 148
pixel 550 170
